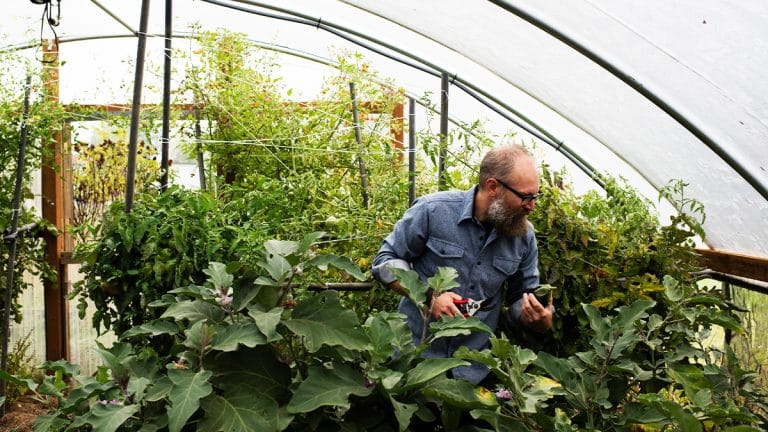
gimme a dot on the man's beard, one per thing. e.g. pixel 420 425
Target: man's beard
pixel 508 222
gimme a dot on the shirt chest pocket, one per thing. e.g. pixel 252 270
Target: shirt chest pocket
pixel 504 268
pixel 445 249
pixel 507 266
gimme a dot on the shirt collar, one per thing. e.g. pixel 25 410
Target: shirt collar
pixel 468 206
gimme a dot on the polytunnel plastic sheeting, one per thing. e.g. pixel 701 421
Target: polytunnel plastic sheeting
pixel 705 59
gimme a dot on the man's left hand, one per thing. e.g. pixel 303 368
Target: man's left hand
pixel 534 315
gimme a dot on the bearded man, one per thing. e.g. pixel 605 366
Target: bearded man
pixel 485 235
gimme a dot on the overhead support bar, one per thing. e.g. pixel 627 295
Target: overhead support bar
pixel 642 88
pixel 115 17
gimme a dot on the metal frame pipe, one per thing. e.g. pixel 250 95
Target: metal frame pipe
pixel 136 106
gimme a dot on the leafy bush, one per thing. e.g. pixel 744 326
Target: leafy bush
pixel 246 358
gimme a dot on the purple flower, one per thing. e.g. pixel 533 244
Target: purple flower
pixel 225 301
pixel 504 394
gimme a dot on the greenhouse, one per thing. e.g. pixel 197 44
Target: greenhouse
pixel 206 203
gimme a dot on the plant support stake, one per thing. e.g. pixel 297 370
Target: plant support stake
pixel 360 162
pixel 411 150
pixel 441 183
pixel 12 238
pixel 166 96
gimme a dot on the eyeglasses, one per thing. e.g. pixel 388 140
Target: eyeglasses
pixel 524 197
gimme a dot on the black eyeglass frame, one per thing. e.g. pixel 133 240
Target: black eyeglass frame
pixel 523 197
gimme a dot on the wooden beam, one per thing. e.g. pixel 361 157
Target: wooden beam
pixel 54 292
pixel 751 267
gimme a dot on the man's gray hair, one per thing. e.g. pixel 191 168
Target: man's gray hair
pixel 500 161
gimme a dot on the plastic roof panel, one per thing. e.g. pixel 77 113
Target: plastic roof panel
pixel 682 51
pixel 704 59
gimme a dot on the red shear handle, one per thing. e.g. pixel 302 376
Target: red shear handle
pixel 462 306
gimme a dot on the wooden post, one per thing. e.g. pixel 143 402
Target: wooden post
pixel 56 323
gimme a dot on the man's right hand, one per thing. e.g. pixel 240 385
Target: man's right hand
pixel 443 305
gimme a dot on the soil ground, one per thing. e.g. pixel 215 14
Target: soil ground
pixel 20 415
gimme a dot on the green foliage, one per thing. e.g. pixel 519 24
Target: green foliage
pixel 170 238
pixel 607 251
pixel 253 362
pixel 44 119
pixel 20 364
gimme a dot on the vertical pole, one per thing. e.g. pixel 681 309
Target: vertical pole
pixel 136 106
pixel 411 150
pixel 360 163
pixel 200 158
pixel 728 291
pixel 166 96
pixel 12 239
pixel 54 292
pixel 441 182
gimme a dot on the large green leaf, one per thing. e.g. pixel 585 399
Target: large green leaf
pixel 277 266
pixel 457 326
pixel 403 413
pixel 498 421
pixel 381 336
pixel 200 336
pixel 412 284
pixel 460 393
pixel 308 240
pixel 244 412
pixel 342 263
pixel 281 247
pixel 430 368
pixel 267 322
pixel 49 422
pixel 444 279
pixel 188 388
pixel 600 325
pixel 228 338
pixel 256 370
pixel 105 417
pixel 629 314
pixel 673 289
pixel 690 376
pixel 321 320
pixel 328 387
pixel 152 328
pixel 218 275
pixel 387 377
pixel 194 311
pixel 558 368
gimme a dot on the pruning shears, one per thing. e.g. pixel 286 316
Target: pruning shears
pixel 468 307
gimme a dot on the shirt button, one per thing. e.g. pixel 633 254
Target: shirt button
pixel 478 263
pixel 471 287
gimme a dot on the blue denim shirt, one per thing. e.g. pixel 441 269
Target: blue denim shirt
pixel 439 230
